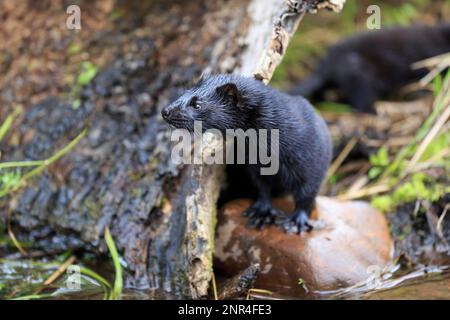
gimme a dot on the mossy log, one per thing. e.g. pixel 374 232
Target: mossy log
pixel 161 216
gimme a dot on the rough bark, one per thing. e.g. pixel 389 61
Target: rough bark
pixel 161 216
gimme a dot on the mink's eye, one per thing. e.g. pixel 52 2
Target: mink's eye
pixel 194 103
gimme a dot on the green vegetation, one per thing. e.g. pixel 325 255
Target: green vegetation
pixel 418 186
pixel 74 48
pixel 38 273
pixel 6 125
pixel 13 180
pixel 118 282
pixel 41 272
pixel 115 14
pixel 333 107
pixel 12 177
pixel 379 162
pixel 87 74
pixel 402 14
pixel 89 70
pixel 407 174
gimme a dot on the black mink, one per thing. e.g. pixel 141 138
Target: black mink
pixel 234 102
pixel 373 65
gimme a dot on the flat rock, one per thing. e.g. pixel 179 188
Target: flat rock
pixel 352 240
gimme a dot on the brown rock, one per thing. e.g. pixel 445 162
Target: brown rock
pixel 353 237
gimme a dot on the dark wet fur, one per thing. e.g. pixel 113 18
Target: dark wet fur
pixel 373 65
pixel 231 102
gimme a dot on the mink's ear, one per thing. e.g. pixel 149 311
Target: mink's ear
pixel 229 91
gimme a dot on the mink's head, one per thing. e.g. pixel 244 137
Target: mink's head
pixel 215 101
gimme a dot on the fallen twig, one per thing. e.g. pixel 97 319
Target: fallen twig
pixel 341 158
pixel 62 268
pixel 369 191
pixel 430 136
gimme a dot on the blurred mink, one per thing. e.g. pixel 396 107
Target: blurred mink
pixel 373 65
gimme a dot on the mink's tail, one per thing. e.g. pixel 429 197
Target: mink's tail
pixel 310 87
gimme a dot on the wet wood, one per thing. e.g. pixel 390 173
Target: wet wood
pixel 161 216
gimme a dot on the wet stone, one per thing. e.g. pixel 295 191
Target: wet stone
pixel 352 240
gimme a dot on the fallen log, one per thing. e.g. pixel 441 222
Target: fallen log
pixel 162 216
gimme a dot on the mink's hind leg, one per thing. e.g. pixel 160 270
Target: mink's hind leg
pixel 261 212
pixel 298 222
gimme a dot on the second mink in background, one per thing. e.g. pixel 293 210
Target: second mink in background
pixel 371 66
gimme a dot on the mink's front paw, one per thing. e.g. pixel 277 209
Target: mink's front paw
pixel 261 213
pixel 297 223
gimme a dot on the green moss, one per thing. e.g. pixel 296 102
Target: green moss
pixel 76 104
pixel 335 178
pixel 153 163
pixel 383 203
pixel 334 107
pixel 437 146
pixel 419 186
pixel 92 208
pixel 381 158
pixel 115 15
pixel 89 70
pixel 74 48
pixel 379 162
pixel 9 180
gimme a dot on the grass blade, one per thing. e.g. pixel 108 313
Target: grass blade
pixel 41 164
pixel 56 156
pixel 6 125
pixel 19 164
pixel 34 297
pixel 118 282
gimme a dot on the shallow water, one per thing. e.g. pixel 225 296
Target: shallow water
pixel 430 282
pixel 24 278
pixel 428 287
